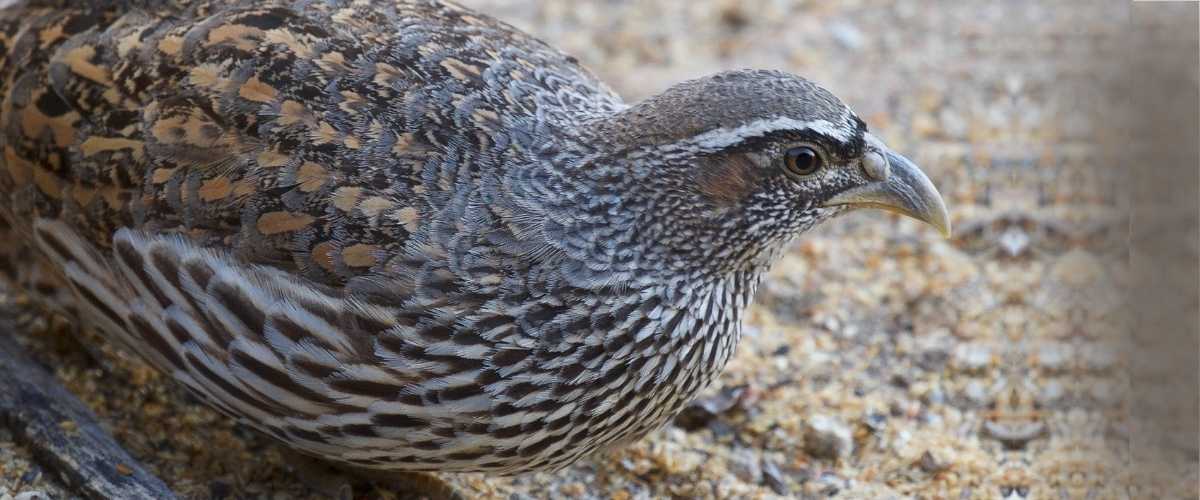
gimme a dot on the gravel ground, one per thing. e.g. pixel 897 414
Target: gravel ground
pixel 879 361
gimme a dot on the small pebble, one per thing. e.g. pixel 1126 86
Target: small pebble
pixel 972 357
pixel 774 478
pixel 720 429
pixel 847 35
pixel 744 464
pixel 931 464
pixel 700 412
pixel 934 397
pixel 976 394
pixel 828 484
pixel 933 360
pixel 875 421
pixel 827 437
pixel 31 475
pixel 574 490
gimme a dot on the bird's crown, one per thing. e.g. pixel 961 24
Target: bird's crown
pixel 727 108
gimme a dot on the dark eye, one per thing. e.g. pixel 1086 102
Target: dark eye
pixel 803 160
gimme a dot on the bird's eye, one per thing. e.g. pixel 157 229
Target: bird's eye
pixel 802 160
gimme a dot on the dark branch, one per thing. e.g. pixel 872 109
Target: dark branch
pixel 37 409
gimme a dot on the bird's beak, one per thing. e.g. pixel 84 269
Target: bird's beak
pixel 897 186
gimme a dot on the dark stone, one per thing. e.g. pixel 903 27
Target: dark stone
pixel 774 478
pixel 700 412
pixel 219 490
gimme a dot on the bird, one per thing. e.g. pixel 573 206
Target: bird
pixel 402 235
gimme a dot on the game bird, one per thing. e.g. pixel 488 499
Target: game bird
pixel 400 235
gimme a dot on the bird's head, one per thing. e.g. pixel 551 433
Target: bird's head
pixel 733 166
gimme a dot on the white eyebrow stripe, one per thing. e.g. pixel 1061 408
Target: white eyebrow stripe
pixel 725 137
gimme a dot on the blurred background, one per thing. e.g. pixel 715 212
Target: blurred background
pixel 1047 350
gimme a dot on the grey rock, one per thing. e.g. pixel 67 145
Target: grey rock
pixel 827 437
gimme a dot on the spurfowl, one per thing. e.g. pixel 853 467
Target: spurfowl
pixel 401 235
